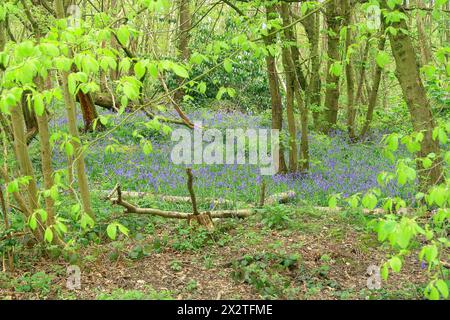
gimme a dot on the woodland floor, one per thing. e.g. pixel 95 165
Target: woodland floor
pixel 314 256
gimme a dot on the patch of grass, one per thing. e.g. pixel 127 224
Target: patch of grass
pixel 149 294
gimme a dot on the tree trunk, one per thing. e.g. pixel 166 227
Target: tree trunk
pixel 73 130
pixel 277 112
pixel 424 43
pixel 46 158
pixel 183 40
pixel 22 155
pixel 332 91
pixel 408 76
pixel 290 75
pixel 313 97
pixel 88 111
pixel 349 73
pixel 374 92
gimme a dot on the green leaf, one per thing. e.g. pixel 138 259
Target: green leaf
pixel 33 222
pixel 201 87
pixel 228 65
pixel 382 59
pixel 332 203
pixel 63 63
pixel 336 68
pixel 49 49
pixel 38 104
pixel 72 84
pixel 147 147
pixel 123 229
pixel 395 264
pixel 69 148
pixel 369 201
pixel 140 69
pixel 433 293
pixel 403 237
pixel 442 287
pixel 153 70
pixel 384 271
pixel 13 186
pixel 48 235
pixel 123 35
pixel 180 71
pixel 111 230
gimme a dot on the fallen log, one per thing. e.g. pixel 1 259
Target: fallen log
pixel 166 198
pixel 130 208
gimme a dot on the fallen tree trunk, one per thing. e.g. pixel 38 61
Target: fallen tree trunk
pixel 105 100
pixel 283 197
pixel 130 208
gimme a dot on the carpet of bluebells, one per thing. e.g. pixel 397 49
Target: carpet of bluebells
pixel 337 166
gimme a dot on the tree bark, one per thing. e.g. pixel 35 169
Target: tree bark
pixel 349 73
pixel 332 91
pixel 275 95
pixel 374 92
pixel 73 130
pixel 408 76
pixel 313 97
pixel 88 111
pixel 290 74
pixel 424 42
pixel 183 40
pixel 46 158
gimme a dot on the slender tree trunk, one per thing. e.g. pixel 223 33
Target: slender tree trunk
pixel 374 92
pixel 424 42
pixel 88 111
pixel 290 75
pixel 332 91
pixel 362 73
pixel 73 130
pixel 2 35
pixel 183 39
pixel 349 73
pixel 46 158
pixel 22 155
pixel 408 76
pixel 313 97
pixel 275 95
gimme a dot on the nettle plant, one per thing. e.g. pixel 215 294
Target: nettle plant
pixel 422 228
